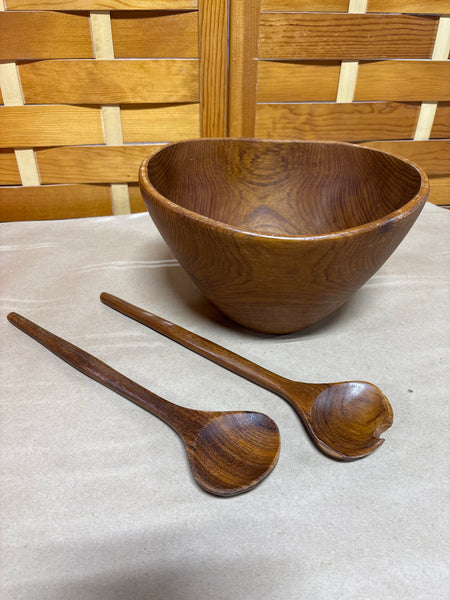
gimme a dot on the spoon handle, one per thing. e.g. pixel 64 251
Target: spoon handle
pixel 101 372
pixel 218 354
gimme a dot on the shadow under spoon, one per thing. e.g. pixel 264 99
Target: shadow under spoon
pixel 344 420
pixel 229 452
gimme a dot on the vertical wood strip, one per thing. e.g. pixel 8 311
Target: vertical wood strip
pixel 244 29
pixel 103 46
pixel 13 96
pixel 349 68
pixel 440 52
pixel 213 53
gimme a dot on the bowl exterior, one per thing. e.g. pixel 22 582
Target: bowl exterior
pixel 276 284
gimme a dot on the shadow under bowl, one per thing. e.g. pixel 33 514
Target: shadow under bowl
pixel 279 234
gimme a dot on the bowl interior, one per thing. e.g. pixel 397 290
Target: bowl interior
pixel 283 188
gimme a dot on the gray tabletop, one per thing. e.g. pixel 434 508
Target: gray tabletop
pixel 97 500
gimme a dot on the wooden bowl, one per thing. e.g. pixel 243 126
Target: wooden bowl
pixel 279 234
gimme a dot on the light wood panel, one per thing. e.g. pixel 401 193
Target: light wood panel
pixel 40 35
pixel 383 6
pixel 110 81
pixel 347 122
pixel 297 81
pixel 403 80
pixel 9 172
pixel 244 26
pixel 432 155
pixel 100 4
pixel 441 125
pixel 136 202
pixel 213 37
pixel 155 34
pixel 305 5
pixel 410 6
pixel 160 123
pixel 52 125
pixel 440 190
pixel 345 36
pixel 92 164
pixel 54 202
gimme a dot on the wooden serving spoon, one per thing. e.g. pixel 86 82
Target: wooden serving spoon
pixel 344 420
pixel 229 452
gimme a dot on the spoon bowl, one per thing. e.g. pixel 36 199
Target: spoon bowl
pixel 229 452
pixel 243 459
pixel 344 420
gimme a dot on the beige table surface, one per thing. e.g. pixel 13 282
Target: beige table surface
pixel 97 501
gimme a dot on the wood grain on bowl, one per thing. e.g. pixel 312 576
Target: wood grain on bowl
pixel 278 234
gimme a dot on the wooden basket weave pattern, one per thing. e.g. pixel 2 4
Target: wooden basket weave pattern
pixel 89 87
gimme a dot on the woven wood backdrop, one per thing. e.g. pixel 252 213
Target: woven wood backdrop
pixel 89 87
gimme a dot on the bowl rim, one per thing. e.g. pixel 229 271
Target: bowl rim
pixel 405 210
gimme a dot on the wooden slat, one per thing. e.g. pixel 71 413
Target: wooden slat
pixel 305 5
pixel 9 172
pixel 432 155
pixel 440 190
pixel 348 122
pixel 345 36
pixel 213 36
pixel 54 202
pixel 92 164
pixel 155 34
pixel 160 123
pixel 441 124
pixel 53 125
pixel 244 25
pixel 403 80
pixel 110 81
pixel 136 202
pixel 100 4
pixel 297 81
pixel 410 6
pixel 40 35
pixel 377 6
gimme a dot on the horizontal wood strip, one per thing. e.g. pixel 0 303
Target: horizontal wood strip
pixel 9 171
pixel 155 35
pixel 53 125
pixel 331 121
pixel 297 81
pixel 110 81
pixel 410 6
pixel 433 155
pixel 425 81
pixel 345 36
pixel 160 123
pixel 40 35
pixel 54 202
pixel 92 164
pixel 305 5
pixel 376 6
pixel 441 124
pixel 136 202
pixel 440 190
pixel 100 4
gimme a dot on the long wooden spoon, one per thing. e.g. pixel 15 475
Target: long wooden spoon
pixel 228 452
pixel 344 420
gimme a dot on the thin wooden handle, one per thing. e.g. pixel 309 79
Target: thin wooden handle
pixel 200 345
pixel 98 370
